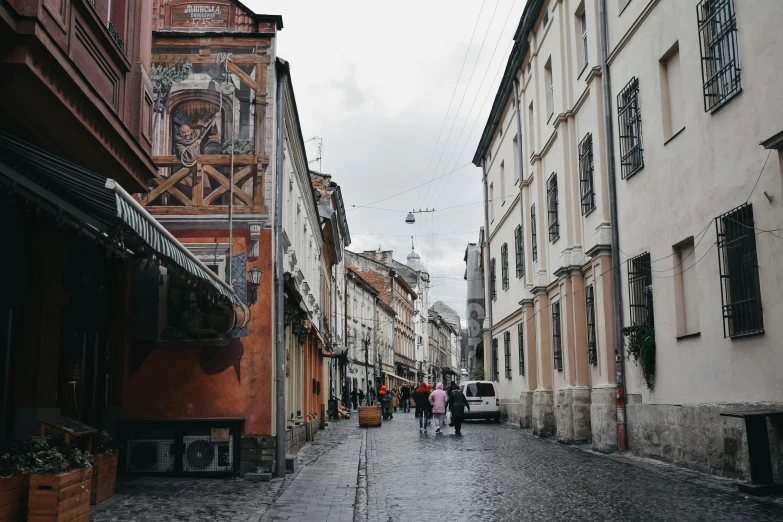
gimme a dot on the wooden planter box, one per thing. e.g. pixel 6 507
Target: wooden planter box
pixel 60 498
pixel 369 416
pixel 13 498
pixel 104 476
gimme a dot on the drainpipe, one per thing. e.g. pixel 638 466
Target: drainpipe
pixel 520 156
pixel 487 258
pixel 282 71
pixel 622 439
pixel 393 274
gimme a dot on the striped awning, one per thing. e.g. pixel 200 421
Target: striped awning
pixel 96 202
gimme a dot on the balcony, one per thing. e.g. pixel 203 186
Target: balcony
pixel 204 187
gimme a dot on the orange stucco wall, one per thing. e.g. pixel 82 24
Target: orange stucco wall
pixel 232 381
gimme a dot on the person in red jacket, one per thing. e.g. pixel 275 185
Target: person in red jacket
pixel 422 395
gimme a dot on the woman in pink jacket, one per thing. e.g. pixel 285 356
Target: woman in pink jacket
pixel 438 400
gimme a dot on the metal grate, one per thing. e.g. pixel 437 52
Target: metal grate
pixel 495 376
pixel 586 173
pixel 557 346
pixel 504 265
pixel 520 343
pixel 533 234
pixel 592 349
pixel 507 352
pixel 519 251
pixel 630 128
pixel 551 203
pixel 492 283
pixel 739 273
pixel 640 290
pixel 116 36
pixel 720 70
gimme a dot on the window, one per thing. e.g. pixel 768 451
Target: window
pixel 502 183
pixel 583 29
pixel 551 203
pixel 528 67
pixel 507 352
pixel 531 125
pixel 491 203
pixel 739 273
pixel 640 290
pixel 494 361
pixel 492 288
pixel 686 290
pixel 521 346
pixel 550 88
pixel 546 17
pixel 519 251
pixel 592 348
pixel 630 118
pixel 586 174
pixel 557 347
pixel 533 235
pixel 517 170
pixel 672 104
pixel 480 389
pixel 504 265
pixel 720 70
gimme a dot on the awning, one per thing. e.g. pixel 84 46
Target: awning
pixel 390 374
pixel 97 202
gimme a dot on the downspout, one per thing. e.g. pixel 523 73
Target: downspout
pixel 393 274
pixel 520 156
pixel 487 291
pixel 279 279
pixel 622 439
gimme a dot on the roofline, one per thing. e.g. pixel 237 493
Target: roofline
pixel 386 307
pixel 353 273
pixel 518 53
pixel 278 19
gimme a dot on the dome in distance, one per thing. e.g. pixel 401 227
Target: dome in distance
pixel 414 262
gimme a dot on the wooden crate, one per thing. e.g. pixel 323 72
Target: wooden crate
pixel 369 416
pixel 60 498
pixel 104 476
pixel 13 498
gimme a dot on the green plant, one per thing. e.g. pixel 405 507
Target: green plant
pixel 35 455
pixel 640 349
pixel 478 371
pixel 164 76
pixel 77 459
pixel 102 443
pixel 241 146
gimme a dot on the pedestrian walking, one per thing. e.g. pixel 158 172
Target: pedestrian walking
pixel 385 397
pixel 361 397
pixel 395 399
pixel 438 399
pixel 355 399
pixel 457 404
pixel 421 396
pixel 405 397
pixel 453 386
pixel 371 396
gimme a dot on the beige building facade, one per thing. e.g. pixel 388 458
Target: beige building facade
pixel 696 132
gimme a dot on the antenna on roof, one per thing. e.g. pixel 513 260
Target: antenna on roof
pixel 412 243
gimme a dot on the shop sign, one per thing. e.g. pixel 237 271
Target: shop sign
pixel 219 435
pixel 200 15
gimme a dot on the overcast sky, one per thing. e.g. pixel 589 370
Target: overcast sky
pixel 374 81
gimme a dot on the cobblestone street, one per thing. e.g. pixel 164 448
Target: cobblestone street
pixel 493 472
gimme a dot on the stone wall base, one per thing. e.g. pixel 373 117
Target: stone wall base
pixel 295 438
pixel 258 454
pixel 603 418
pixel 543 414
pixel 697 437
pixel 518 411
pixel 572 415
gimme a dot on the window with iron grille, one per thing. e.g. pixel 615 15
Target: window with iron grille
pixel 507 352
pixel 586 173
pixel 592 345
pixel 495 376
pixel 630 127
pixel 551 202
pixel 557 346
pixel 492 288
pixel 520 344
pixel 720 69
pixel 640 296
pixel 504 265
pixel 533 235
pixel 739 273
pixel 519 251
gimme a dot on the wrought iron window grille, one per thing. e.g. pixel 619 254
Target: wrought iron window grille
pixel 116 37
pixel 630 128
pixel 557 346
pixel 640 294
pixel 592 345
pixel 533 234
pixel 492 283
pixel 552 203
pixel 720 69
pixel 520 342
pixel 495 370
pixel 586 174
pixel 739 273
pixel 504 265
pixel 507 352
pixel 519 251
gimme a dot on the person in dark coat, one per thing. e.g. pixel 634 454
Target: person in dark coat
pixel 385 397
pixel 422 398
pixel 457 404
pixel 453 386
pixel 405 397
pixel 355 398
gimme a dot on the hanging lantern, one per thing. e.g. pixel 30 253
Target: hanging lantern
pixel 410 219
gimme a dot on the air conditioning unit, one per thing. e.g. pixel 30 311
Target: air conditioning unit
pixel 150 456
pixel 202 455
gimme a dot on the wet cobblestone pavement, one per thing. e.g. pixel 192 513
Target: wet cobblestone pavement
pixel 492 473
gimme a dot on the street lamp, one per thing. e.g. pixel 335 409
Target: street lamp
pixel 255 274
pixel 410 219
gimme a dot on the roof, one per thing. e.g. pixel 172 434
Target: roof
pixel 518 52
pixel 353 273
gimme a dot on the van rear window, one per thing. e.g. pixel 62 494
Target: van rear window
pixel 480 389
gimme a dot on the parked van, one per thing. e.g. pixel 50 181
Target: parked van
pixel 483 400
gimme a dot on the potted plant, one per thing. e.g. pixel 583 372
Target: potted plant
pixel 104 468
pixel 59 480
pixel 14 487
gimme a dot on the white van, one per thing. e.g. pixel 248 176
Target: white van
pixel 483 399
